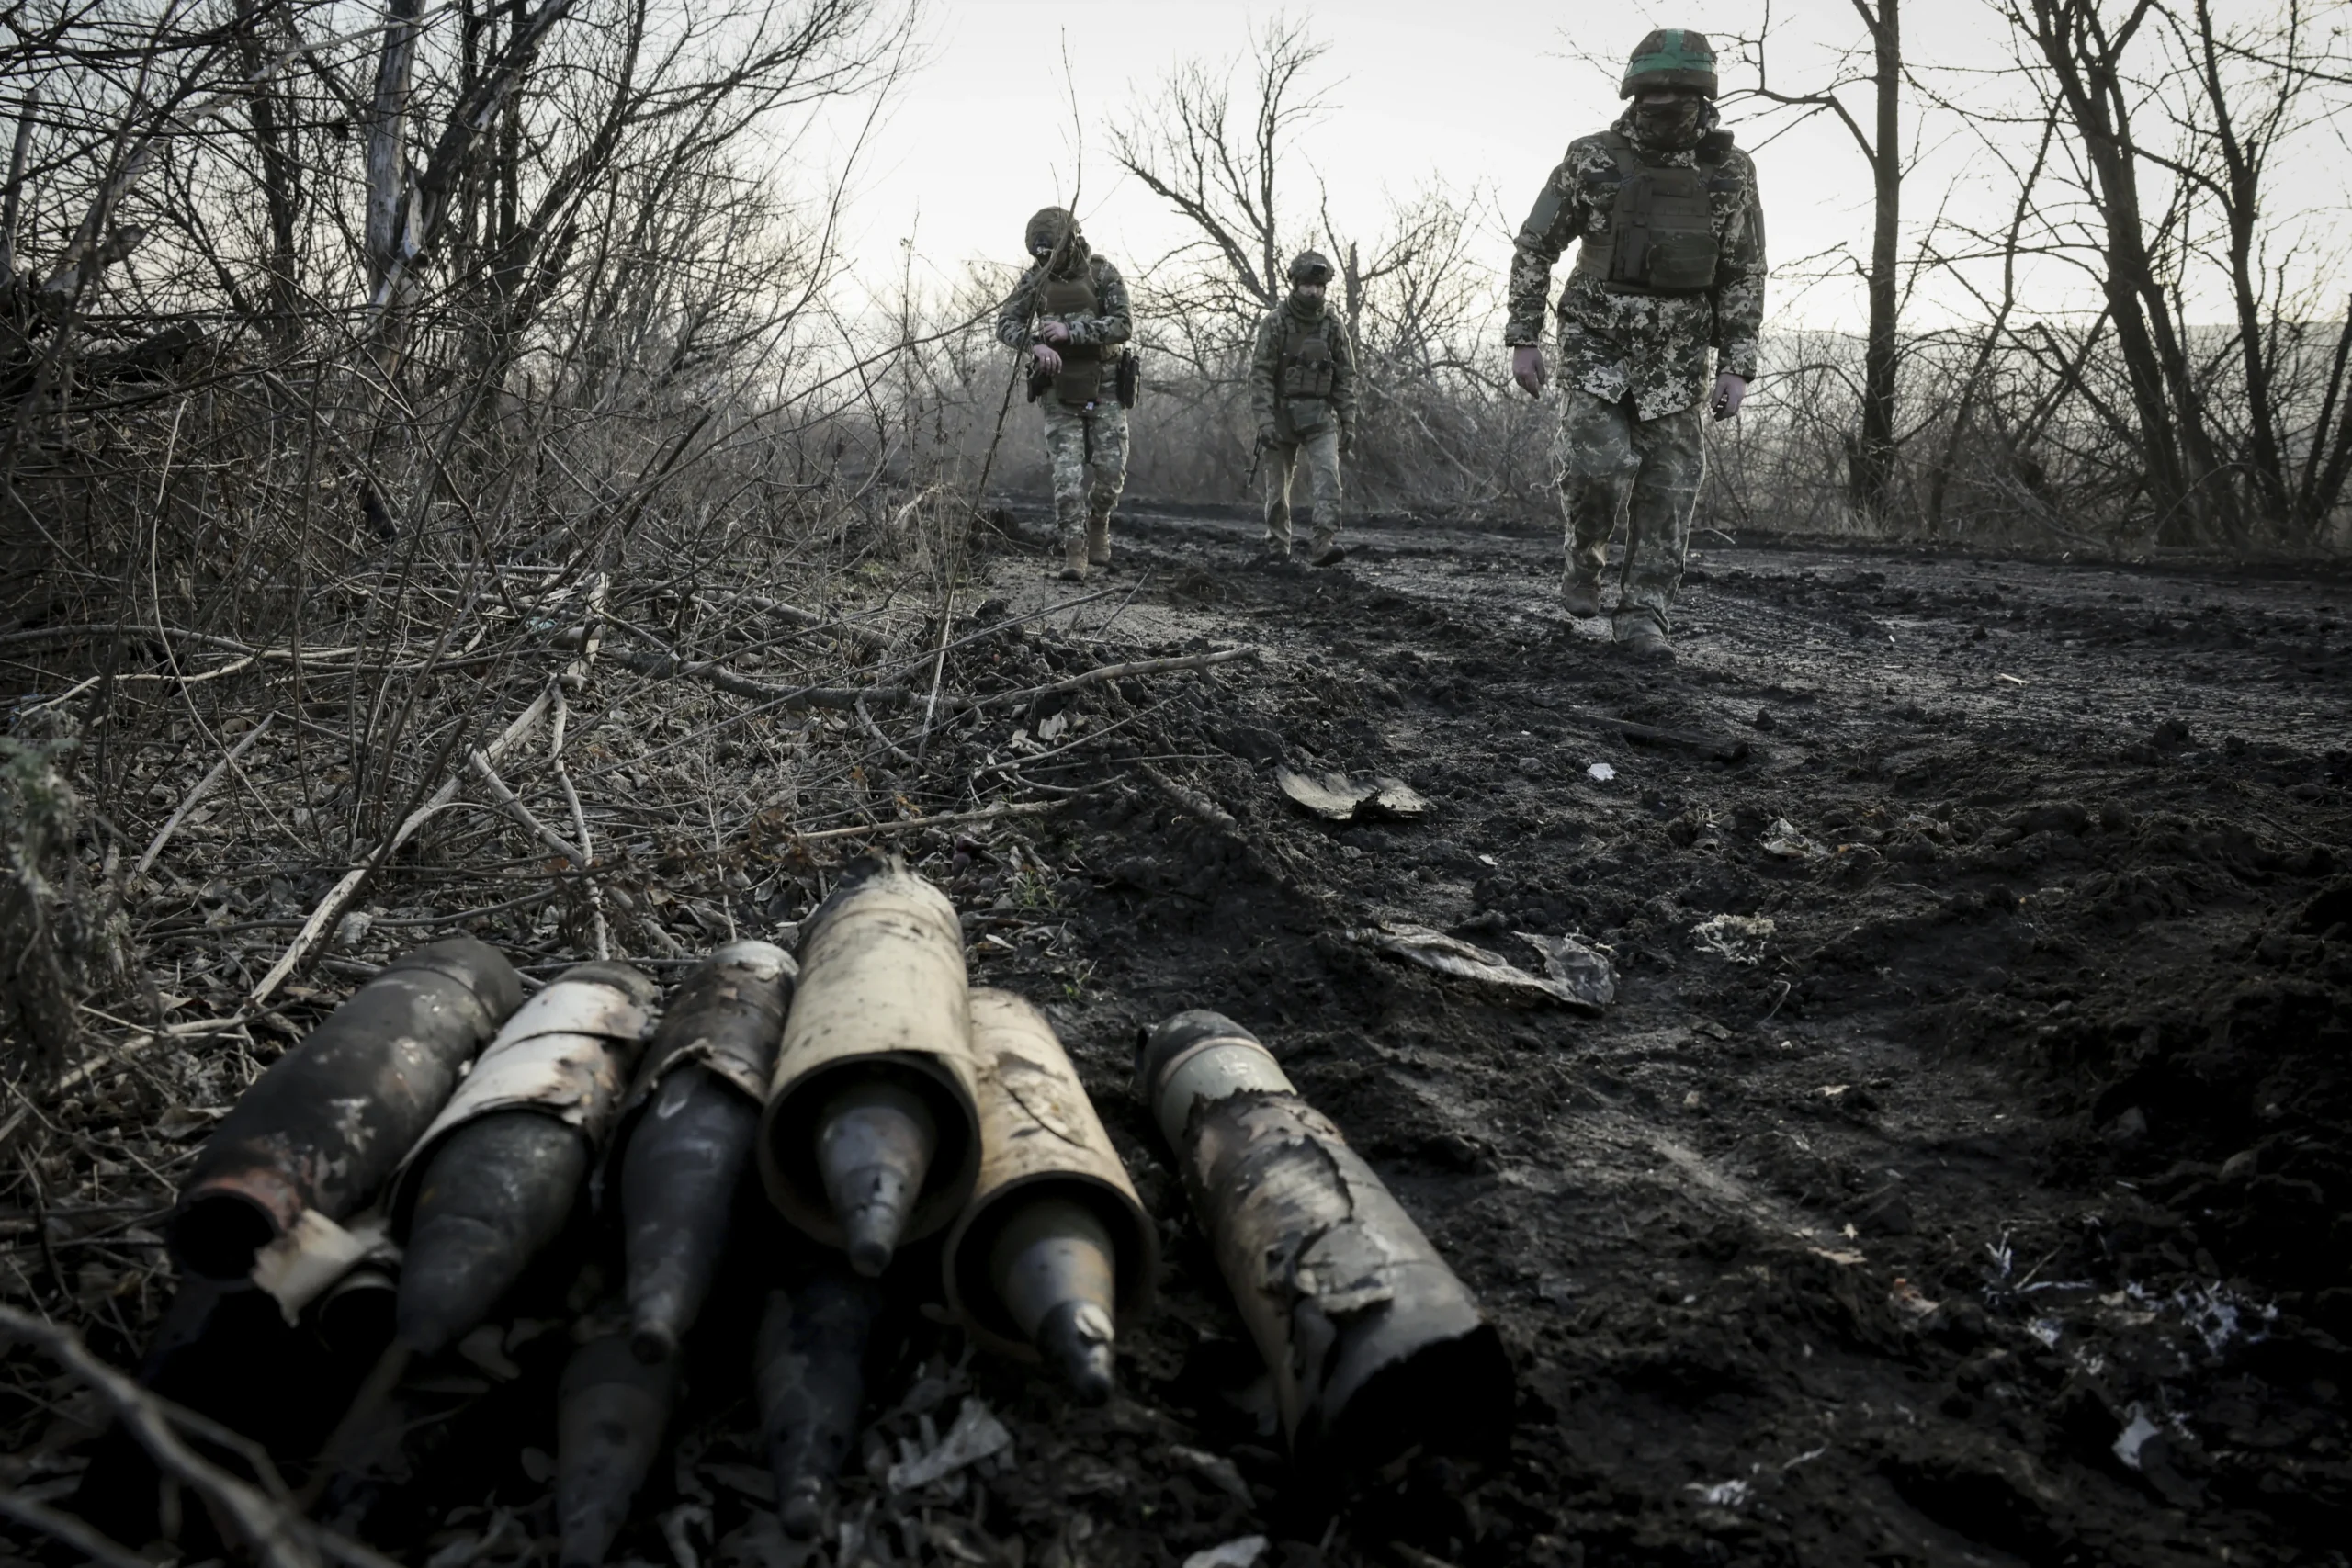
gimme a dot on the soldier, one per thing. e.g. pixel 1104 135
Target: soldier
pixel 1671 265
pixel 1069 312
pixel 1303 386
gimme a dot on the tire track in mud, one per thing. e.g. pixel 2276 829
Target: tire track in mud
pixel 1905 1245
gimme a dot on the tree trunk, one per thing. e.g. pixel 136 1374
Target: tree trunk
pixel 1872 474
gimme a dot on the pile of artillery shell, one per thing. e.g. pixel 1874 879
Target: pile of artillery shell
pixel 881 1099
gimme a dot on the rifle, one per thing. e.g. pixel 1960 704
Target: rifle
pixel 1257 456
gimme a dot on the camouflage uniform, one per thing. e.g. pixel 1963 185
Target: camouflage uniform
pixel 1632 367
pixel 1086 442
pixel 1312 428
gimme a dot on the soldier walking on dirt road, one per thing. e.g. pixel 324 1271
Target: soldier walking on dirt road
pixel 1069 314
pixel 1671 265
pixel 1302 387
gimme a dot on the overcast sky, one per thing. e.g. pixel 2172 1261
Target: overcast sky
pixel 1477 94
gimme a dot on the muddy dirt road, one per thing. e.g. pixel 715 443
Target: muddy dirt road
pixel 1975 1194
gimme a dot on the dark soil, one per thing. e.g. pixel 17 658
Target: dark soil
pixel 2021 1150
pixel 1992 1211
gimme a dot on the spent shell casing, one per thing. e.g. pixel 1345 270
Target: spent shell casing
pixel 611 1411
pixel 1374 1345
pixel 813 1349
pixel 325 1127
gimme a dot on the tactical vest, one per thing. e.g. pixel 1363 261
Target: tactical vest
pixel 1079 382
pixel 1308 370
pixel 1661 236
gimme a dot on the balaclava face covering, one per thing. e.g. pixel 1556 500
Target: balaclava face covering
pixel 1673 127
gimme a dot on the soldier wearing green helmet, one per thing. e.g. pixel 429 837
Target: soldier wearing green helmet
pixel 1069 314
pixel 1303 390
pixel 1669 271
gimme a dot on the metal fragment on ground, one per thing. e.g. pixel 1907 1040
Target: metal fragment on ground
pixel 1578 986
pixel 1335 798
pixel 1786 839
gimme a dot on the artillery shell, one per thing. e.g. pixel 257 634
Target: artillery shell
pixel 495 1176
pixel 1054 1245
pixel 813 1349
pixel 1373 1343
pixel 688 1132
pixel 497 1192
pixel 874 1147
pixel 327 1124
pixel 611 1411
pixel 871 1103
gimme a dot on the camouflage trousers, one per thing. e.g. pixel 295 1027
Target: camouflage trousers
pixel 1645 473
pixel 1090 467
pixel 1318 455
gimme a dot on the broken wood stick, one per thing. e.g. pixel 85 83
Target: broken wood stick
pixel 1114 673
pixel 189 802
pixel 953 819
pixel 1705 745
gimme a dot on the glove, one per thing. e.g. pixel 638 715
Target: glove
pixel 1527 368
pixel 1054 331
pixel 1729 390
pixel 1047 360
pixel 1348 439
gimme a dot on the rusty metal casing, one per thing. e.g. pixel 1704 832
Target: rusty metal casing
pixel 876 1057
pixel 494 1179
pixel 328 1123
pixel 1045 1161
pixel 1373 1343
pixel 611 1411
pixel 687 1130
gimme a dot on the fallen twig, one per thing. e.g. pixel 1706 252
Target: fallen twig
pixel 1116 672
pixel 1705 745
pixel 953 819
pixel 189 802
pixel 276 1535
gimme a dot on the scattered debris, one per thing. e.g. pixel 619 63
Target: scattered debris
pixel 1705 745
pixel 1786 839
pixel 1335 798
pixel 1242 1552
pixel 1600 773
pixel 2135 1437
pixel 976 1435
pixel 1576 976
pixel 1719 1494
pixel 1740 938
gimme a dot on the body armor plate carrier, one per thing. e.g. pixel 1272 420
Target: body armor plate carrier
pixel 1308 374
pixel 1661 236
pixel 1080 383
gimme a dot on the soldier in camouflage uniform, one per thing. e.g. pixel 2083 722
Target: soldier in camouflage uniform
pixel 1671 265
pixel 1302 387
pixel 1069 314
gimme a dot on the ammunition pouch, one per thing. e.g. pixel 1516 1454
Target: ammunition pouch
pixel 1307 416
pixel 1130 378
pixel 1309 370
pixel 1661 236
pixel 1079 382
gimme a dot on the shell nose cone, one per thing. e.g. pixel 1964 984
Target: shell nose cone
pixel 1075 1338
pixel 874 1151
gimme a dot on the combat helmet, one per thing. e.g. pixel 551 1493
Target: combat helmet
pixel 1310 266
pixel 1671 57
pixel 1046 229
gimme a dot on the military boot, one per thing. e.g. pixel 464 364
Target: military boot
pixel 1073 561
pixel 1098 541
pixel 1579 596
pixel 1640 635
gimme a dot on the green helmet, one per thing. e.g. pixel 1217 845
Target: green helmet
pixel 1671 57
pixel 1310 266
pixel 1046 229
